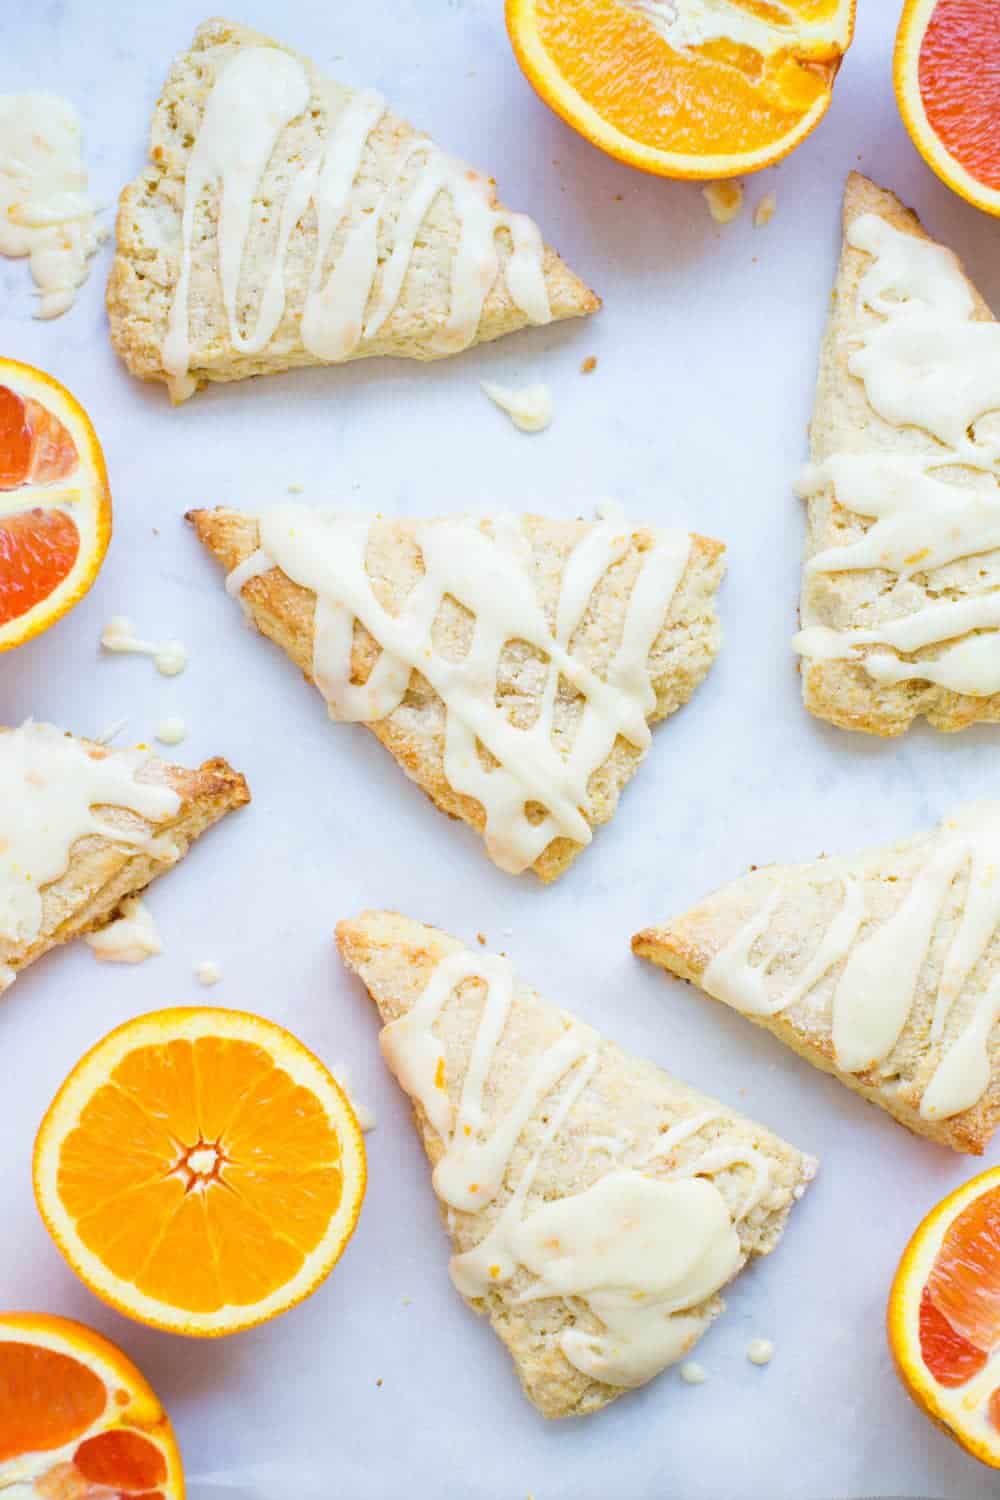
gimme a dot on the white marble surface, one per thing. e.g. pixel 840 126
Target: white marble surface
pixel 696 414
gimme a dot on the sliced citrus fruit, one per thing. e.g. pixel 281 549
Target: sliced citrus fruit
pixel 944 1316
pixel 200 1170
pixel 77 1419
pixel 55 506
pixel 948 86
pixel 685 88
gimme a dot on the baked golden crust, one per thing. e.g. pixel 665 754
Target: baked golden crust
pixel 145 270
pixel 809 898
pixel 103 872
pixel 627 1099
pixel 414 733
pixel 844 422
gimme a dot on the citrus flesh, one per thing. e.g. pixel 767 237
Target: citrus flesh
pixel 947 76
pixel 55 507
pixel 238 1184
pixel 681 91
pixel 77 1419
pixel 944 1316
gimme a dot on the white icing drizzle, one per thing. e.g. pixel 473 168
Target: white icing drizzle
pixel 875 991
pixel 131 939
pixel 45 211
pixel 258 94
pixel 760 1351
pixel 52 792
pixel 637 1250
pixel 169 657
pixel 491 577
pixel 927 364
pixel 172 730
pixel 529 407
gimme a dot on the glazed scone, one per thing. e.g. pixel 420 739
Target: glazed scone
pixel 549 1147
pixel 342 233
pixel 82 828
pixel 444 638
pixel 882 968
pixel 901 586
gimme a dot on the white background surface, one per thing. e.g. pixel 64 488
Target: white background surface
pixel 695 415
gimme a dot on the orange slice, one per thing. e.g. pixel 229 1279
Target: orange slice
pixel 944 1316
pixel 685 88
pixel 55 506
pixel 77 1419
pixel 200 1170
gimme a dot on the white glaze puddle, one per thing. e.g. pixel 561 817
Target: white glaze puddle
pixel 45 211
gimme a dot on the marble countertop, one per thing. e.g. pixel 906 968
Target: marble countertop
pixel 384 1385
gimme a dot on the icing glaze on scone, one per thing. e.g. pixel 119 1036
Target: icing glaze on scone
pixel 52 790
pixel 876 990
pixel 642 1246
pixel 490 576
pixel 257 95
pixel 928 363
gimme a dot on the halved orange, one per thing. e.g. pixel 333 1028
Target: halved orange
pixel 55 505
pixel 200 1170
pixel 947 74
pixel 77 1419
pixel 944 1316
pixel 681 88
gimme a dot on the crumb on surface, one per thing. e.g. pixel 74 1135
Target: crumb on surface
pixel 589 364
pixel 379 1383
pixel 765 210
pixel 481 939
pixel 724 199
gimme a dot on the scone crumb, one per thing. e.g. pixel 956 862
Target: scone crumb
pixel 296 489
pixel 589 365
pixel 692 1373
pixel 724 199
pixel 481 939
pixel 765 210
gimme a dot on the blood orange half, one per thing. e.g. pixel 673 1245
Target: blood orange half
pixel 944 1316
pixel 55 507
pixel 77 1419
pixel 947 74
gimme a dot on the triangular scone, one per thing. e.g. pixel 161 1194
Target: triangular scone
pixel 511 665
pixel 596 1206
pixel 882 968
pixel 286 220
pixel 83 827
pixel 901 585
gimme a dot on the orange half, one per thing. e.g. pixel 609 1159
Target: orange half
pixel 200 1170
pixel 947 75
pixel 55 505
pixel 682 88
pixel 77 1419
pixel 944 1316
